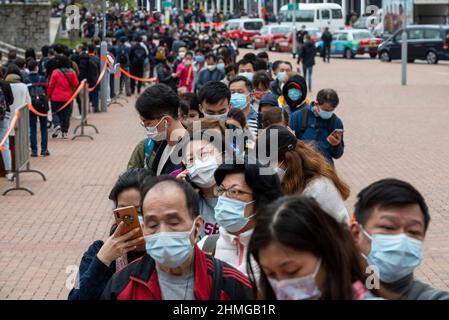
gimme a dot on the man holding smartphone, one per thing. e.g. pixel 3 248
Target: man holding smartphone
pixel 318 122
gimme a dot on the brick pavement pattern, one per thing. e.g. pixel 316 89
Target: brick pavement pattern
pixel 390 131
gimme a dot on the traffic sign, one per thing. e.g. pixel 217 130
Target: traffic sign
pixel 167 4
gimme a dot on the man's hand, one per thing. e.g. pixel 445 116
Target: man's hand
pixel 117 245
pixel 334 139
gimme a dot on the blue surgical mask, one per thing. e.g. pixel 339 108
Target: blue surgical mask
pixel 230 214
pixel 170 249
pixel 395 255
pixel 221 66
pixel 239 100
pixel 301 288
pixel 325 115
pixel 294 94
pixel 247 75
pixel 199 58
pixel 282 76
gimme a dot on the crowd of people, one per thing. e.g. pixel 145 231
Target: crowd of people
pixel 239 223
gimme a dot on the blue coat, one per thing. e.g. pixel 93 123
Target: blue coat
pixel 206 75
pixel 317 130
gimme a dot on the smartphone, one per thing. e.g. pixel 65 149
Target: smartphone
pixel 130 218
pixel 338 132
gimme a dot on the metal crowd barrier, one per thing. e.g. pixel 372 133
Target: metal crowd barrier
pixel 117 97
pixel 84 110
pixel 22 150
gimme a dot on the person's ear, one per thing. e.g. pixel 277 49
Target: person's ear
pixel 356 232
pixel 199 221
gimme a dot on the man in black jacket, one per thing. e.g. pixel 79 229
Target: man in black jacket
pixel 137 57
pixel 307 56
pixel 326 38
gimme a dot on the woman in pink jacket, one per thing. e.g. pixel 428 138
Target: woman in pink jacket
pixel 185 74
pixel 63 82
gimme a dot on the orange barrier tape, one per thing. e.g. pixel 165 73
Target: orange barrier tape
pixel 30 106
pixel 103 71
pixel 137 78
pixel 73 97
pixel 11 127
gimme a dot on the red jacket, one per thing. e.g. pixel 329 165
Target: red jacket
pixel 62 84
pixel 138 281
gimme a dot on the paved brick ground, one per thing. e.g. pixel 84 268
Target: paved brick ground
pixel 391 131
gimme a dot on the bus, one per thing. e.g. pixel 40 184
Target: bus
pixel 315 15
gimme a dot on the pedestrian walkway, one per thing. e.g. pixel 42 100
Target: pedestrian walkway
pixel 42 235
pixel 391 131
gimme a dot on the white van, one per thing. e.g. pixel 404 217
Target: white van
pixel 315 15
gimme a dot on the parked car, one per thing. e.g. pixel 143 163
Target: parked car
pixel 351 42
pixel 285 44
pixel 268 35
pixel 243 30
pixel 424 42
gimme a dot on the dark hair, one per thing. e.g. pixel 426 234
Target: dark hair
pixel 183 107
pixel 275 65
pixel 388 193
pixel 249 57
pixel 260 64
pixel 192 100
pixel 327 96
pixel 263 55
pixel 266 187
pixel 191 196
pixel 20 62
pixel 30 53
pixel 59 48
pixel 32 64
pixel 130 179
pixel 156 101
pixel 211 56
pixel 91 48
pixel 14 69
pixel 248 83
pixel 189 53
pixel 275 116
pixel 300 224
pixel 261 77
pixel 44 50
pixel 12 55
pixel 230 67
pixel 213 92
pixel 244 61
pixel 238 115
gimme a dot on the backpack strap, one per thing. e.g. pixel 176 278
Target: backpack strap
pixel 217 280
pixel 304 121
pixel 147 150
pixel 210 244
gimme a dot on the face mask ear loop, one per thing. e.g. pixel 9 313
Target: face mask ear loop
pixel 317 268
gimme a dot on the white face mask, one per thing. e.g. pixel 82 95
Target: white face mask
pixel 211 67
pixel 202 172
pixel 154 135
pixel 301 288
pixel 216 116
pixel 181 54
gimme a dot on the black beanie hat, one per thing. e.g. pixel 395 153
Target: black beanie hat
pixel 297 82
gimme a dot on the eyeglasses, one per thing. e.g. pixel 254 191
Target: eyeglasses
pixel 230 193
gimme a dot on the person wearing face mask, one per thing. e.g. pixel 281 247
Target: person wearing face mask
pixel 221 63
pixel 199 63
pixel 180 55
pixel 318 122
pixel 164 71
pixel 214 100
pixel 103 259
pixel 211 73
pixel 246 69
pixel 242 98
pixel 158 108
pixel 305 254
pixel 261 84
pixel 189 108
pixel 294 94
pixel 243 190
pixel 281 69
pixel 231 72
pixel 185 73
pixel 303 171
pixel 389 226
pixel 202 158
pixel 174 268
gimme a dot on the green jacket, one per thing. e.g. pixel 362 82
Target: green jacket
pixel 141 158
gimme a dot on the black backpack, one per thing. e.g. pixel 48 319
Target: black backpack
pixel 305 124
pixel 139 55
pixel 38 96
pixel 3 105
pixel 122 56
